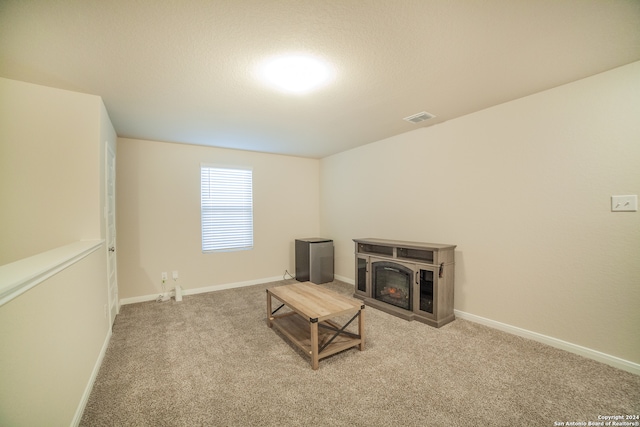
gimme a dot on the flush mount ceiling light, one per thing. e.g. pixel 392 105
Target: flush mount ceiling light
pixel 296 74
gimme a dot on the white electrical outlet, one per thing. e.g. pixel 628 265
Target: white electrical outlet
pixel 624 203
pixel 164 276
pixel 175 274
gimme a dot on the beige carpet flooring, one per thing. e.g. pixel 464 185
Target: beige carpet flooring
pixel 210 360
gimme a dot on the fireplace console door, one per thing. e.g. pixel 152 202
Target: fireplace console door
pixel 362 274
pixel 426 291
pixel 408 279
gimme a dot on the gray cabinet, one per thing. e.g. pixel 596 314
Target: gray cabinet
pixel 411 280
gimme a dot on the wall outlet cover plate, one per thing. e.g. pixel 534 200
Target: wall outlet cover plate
pixel 624 203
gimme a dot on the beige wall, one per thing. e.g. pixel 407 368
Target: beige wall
pixel 524 190
pixel 51 194
pixel 49 168
pixel 158 216
pixel 51 339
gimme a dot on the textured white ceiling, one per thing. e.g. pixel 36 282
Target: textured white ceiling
pixel 184 71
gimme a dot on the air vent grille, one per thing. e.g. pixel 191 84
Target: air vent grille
pixel 419 117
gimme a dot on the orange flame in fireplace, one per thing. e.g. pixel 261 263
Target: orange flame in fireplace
pixel 392 292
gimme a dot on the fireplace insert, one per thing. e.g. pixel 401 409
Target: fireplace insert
pixel 411 280
pixel 392 284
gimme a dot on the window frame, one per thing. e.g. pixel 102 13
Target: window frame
pixel 237 230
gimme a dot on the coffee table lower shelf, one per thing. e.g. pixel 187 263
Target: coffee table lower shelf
pixel 297 330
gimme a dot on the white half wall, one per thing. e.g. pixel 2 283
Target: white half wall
pixel 53 335
pixel 53 339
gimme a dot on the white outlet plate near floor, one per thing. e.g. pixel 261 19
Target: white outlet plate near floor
pixel 624 203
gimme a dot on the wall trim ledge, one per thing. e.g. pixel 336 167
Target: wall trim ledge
pixel 18 277
pixel 608 359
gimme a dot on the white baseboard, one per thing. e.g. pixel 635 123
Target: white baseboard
pixel 230 286
pixel 345 279
pixel 94 374
pixel 145 298
pixel 614 361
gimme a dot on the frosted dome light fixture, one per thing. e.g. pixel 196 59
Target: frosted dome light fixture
pixel 296 74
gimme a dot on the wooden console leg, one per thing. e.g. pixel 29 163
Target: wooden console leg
pixel 269 324
pixel 314 345
pixel 361 329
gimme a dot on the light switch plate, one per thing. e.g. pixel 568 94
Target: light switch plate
pixel 624 203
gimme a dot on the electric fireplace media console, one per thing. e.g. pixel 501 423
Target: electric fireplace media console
pixel 411 280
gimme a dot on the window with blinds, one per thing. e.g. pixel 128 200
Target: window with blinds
pixel 226 208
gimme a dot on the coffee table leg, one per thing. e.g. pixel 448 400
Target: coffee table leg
pixel 361 329
pixel 314 344
pixel 269 324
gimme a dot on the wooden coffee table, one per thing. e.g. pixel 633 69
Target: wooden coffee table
pixel 309 325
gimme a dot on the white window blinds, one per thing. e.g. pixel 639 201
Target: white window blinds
pixel 226 209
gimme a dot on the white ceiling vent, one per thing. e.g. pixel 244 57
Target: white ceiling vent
pixel 419 117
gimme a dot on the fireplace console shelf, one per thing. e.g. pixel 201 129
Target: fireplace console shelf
pixel 411 280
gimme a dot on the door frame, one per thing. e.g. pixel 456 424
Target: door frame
pixel 113 303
